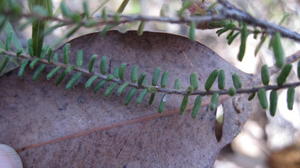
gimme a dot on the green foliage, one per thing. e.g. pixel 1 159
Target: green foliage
pixel 38 27
pixel 278 50
pixel 104 65
pixel 244 35
pixel 265 77
pixel 231 91
pixel 91 81
pixel 290 97
pixel 211 79
pixel 155 77
pixel 192 31
pixel 92 62
pixel 122 71
pixel 37 56
pixel 262 97
pixel 162 103
pixel 273 102
pixel 194 81
pixel 4 63
pixel 184 104
pixel 71 83
pixel 236 81
pixel 134 73
pixel 38 72
pixel 221 80
pixel 141 28
pixel 197 106
pixel 130 95
pixel 214 102
pixel 284 74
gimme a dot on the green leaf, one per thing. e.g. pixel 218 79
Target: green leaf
pixel 232 38
pixel 122 88
pixel 273 102
pixel 3 21
pixel 141 80
pixel 116 72
pixel 92 62
pixel 236 81
pixel 110 77
pixel 65 10
pixel 29 47
pixel 23 67
pixel 278 50
pixel 162 103
pixel 262 97
pixel 45 4
pixel 141 28
pixel 151 99
pixel 66 51
pixel 122 6
pixel 197 106
pixel 90 81
pixel 231 91
pixel 55 58
pixel 79 58
pixel 53 72
pixel 141 96
pixel 38 26
pixel 130 95
pixel 75 78
pixel 284 74
pixel 192 31
pixel 34 62
pixel 63 74
pixel 230 34
pixel 164 79
pixel 244 35
pixel 177 84
pixel 214 102
pixel 3 63
pixel 104 65
pixel 251 96
pixel 49 54
pixel 38 71
pixel 184 104
pixel 134 73
pixel 103 14
pixel 49 30
pixel 194 81
pixel 122 70
pixel 226 28
pixel 14 7
pixel 211 79
pixel 221 80
pixel 116 17
pixel 185 5
pixel 40 11
pixel 265 77
pixel 155 77
pixel 85 6
pixel 8 41
pixel 99 85
pixel 73 30
pixel 290 97
pixel 110 89
pixel 260 44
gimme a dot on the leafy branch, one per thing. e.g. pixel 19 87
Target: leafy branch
pixel 137 81
pixel 226 11
pixel 224 19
